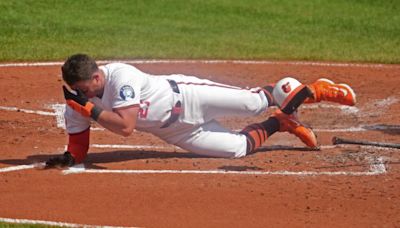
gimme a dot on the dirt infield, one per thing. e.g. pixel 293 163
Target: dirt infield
pixel 282 185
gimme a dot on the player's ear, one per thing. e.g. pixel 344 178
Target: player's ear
pixel 96 77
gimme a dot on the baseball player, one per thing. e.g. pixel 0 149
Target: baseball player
pixel 182 110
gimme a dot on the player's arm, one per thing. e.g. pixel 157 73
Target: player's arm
pixel 121 121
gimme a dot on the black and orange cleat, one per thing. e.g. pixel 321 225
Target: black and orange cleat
pixel 326 90
pixel 290 123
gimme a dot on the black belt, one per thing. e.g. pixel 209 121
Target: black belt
pixel 176 110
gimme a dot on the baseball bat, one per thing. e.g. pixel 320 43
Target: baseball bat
pixel 337 140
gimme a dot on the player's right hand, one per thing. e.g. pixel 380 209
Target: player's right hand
pixel 78 102
pixel 64 160
pixel 81 104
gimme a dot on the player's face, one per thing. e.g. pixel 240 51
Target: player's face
pixel 90 88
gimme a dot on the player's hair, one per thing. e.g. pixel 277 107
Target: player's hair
pixel 77 68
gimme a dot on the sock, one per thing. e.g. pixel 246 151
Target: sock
pixel 268 93
pixel 271 125
pixel 258 133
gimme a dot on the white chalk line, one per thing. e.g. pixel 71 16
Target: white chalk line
pixel 246 62
pixel 344 108
pixel 58 113
pixel 51 223
pixel 16 168
pixel 59 110
pixel 275 147
pixel 377 165
pixel 43 113
pixel 375 170
pixel 125 146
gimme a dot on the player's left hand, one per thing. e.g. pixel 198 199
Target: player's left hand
pixel 65 160
pixel 81 104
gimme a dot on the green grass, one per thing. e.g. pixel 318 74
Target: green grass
pixel 10 225
pixel 334 30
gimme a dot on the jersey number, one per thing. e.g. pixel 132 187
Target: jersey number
pixel 144 109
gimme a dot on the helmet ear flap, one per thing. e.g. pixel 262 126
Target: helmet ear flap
pixel 289 94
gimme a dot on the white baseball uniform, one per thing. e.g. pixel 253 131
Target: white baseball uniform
pixel 196 103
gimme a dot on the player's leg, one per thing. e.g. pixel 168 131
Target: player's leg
pixel 258 133
pixel 209 100
pixel 212 139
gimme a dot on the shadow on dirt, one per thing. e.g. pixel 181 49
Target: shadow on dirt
pixel 128 155
pixel 281 147
pixel 106 157
pixel 240 168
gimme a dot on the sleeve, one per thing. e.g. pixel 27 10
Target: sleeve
pixel 127 84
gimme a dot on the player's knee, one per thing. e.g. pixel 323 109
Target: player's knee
pixel 220 153
pixel 239 152
pixel 239 155
pixel 126 132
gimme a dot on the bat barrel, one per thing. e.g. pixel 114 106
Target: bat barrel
pixel 337 140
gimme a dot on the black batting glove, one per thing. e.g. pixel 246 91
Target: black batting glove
pixel 81 104
pixel 65 160
pixel 79 98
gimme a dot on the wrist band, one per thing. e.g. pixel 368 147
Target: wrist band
pixel 95 113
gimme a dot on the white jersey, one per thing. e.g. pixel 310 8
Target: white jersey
pixel 125 86
pixel 202 101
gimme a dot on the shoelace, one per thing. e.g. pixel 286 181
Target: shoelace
pixel 332 92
